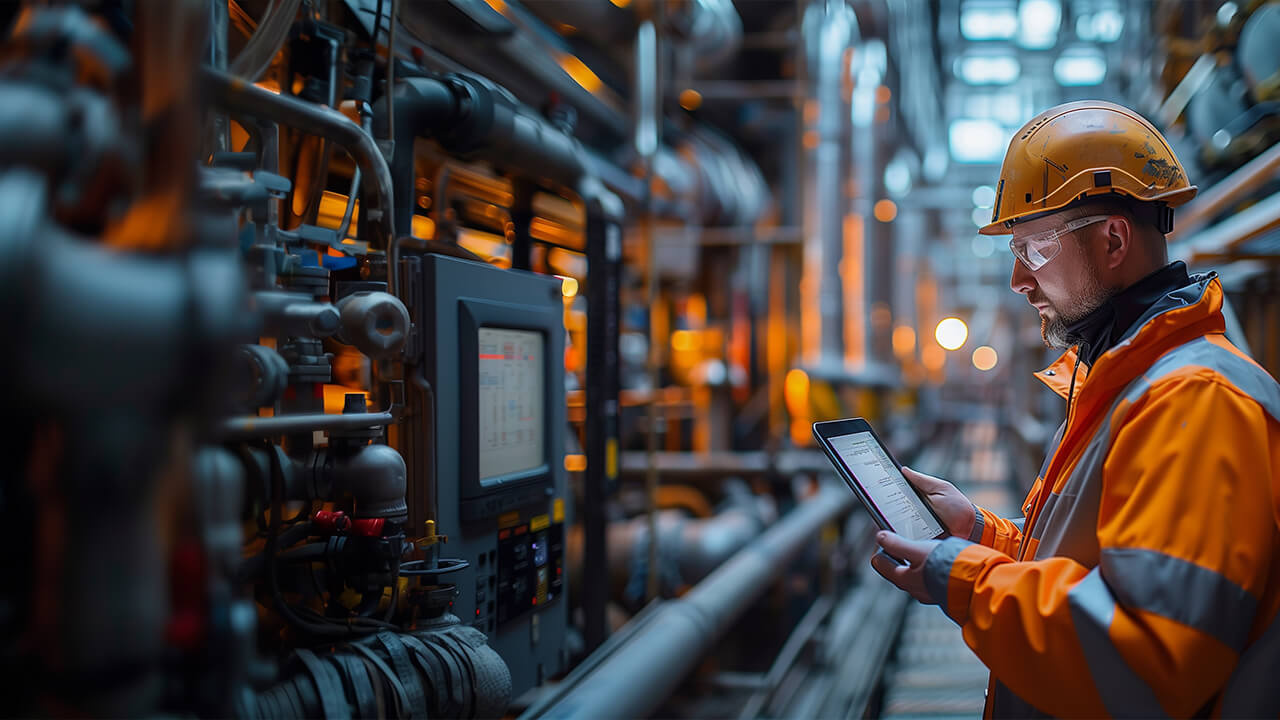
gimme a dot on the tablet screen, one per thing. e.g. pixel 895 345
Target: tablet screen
pixel 886 486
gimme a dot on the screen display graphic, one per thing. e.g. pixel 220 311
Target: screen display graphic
pixel 511 402
pixel 888 489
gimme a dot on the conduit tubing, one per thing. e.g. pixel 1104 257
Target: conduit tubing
pixel 236 95
pixel 636 678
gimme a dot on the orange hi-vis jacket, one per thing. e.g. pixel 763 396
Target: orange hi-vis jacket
pixel 1146 579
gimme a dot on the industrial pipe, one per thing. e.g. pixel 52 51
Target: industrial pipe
pixel 252 426
pixel 636 678
pixel 236 95
pixel 1236 186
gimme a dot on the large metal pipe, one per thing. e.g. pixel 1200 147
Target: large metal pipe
pixel 236 95
pixel 827 32
pixel 1232 188
pixel 636 678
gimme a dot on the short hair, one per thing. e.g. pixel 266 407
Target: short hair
pixel 1141 216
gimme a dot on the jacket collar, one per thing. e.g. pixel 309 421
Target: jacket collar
pixel 1176 317
pixel 1101 329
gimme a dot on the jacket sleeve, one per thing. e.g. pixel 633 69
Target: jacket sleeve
pixel 995 532
pixel 1186 539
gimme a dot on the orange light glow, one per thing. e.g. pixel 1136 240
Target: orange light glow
pixel 933 357
pixel 796 394
pixel 332 206
pixel 810 139
pixel 568 286
pixel 985 358
pixel 690 99
pixel 853 278
pixel 886 210
pixel 580 73
pixel 883 94
pixel 904 340
pixel 335 397
pixel 685 341
pixel 797 388
pixel 423 227
pixel 575 463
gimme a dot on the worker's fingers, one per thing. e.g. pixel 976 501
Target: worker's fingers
pixel 911 551
pixel 889 568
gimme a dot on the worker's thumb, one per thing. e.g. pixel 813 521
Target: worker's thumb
pixel 926 483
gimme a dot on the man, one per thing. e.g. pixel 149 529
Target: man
pixel 1146 579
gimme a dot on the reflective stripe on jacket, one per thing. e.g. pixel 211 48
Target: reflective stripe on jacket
pixel 1147 581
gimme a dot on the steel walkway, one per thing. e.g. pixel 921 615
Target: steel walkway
pixel 933 674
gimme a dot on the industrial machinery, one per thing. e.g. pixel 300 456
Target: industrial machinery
pixel 388 358
pixel 493 454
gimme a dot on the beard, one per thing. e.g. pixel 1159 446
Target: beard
pixel 1057 318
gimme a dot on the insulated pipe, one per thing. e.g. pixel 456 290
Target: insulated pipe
pixel 636 678
pixel 238 96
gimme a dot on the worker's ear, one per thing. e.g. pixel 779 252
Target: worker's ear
pixel 1118 238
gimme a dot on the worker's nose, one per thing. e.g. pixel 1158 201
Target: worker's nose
pixel 1023 280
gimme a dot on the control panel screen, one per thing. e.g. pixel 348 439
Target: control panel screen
pixel 511 402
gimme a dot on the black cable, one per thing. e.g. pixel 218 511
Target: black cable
pixel 327 627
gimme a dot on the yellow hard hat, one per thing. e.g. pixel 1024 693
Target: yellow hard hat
pixel 1087 149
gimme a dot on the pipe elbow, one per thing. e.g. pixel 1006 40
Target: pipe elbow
pixel 375 476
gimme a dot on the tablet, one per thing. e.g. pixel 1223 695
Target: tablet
pixel 876 478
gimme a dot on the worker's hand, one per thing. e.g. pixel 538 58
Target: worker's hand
pixel 909 577
pixel 951 505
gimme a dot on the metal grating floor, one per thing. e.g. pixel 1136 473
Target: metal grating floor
pixel 934 675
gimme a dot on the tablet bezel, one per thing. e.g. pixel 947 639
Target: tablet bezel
pixel 823 431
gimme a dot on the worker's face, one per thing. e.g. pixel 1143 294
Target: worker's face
pixel 1066 288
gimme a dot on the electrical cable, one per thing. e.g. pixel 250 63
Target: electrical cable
pixel 326 627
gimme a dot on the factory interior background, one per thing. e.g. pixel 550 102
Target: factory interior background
pixel 459 358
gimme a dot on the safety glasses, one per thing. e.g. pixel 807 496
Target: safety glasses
pixel 1036 250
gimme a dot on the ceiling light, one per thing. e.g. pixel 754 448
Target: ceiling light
pixel 985 69
pixel 897 177
pixel 977 141
pixel 1038 22
pixel 988 20
pixel 1107 25
pixel 984 196
pixel 1080 66
pixel 951 333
